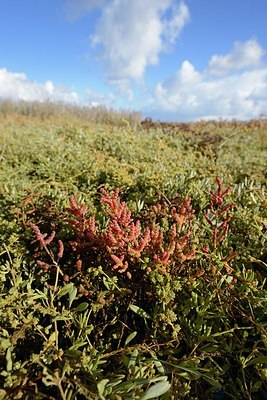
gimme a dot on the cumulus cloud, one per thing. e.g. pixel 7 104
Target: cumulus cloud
pixel 130 35
pixel 18 86
pixel 176 92
pixel 190 94
pixel 243 55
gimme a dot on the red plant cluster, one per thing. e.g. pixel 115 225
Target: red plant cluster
pixel 125 243
pixel 159 240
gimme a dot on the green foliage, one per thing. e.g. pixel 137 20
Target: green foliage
pixel 132 295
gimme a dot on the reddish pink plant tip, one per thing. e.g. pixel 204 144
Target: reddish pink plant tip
pixel 50 238
pixel 73 203
pixel 219 183
pixel 78 265
pixel 61 249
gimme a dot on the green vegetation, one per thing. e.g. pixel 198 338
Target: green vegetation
pixel 133 257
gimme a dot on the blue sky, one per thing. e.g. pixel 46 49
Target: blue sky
pixel 169 59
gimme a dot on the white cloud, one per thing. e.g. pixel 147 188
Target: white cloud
pixel 130 35
pixel 190 94
pixel 176 92
pixel 174 25
pixel 18 86
pixel 243 55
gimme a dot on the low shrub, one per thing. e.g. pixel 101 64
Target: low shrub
pixel 119 303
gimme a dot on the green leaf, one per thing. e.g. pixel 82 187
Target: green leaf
pixel 82 307
pixel 73 354
pixel 9 360
pixel 133 359
pixel 64 290
pixel 192 370
pixel 130 337
pixel 257 385
pixel 159 367
pixel 53 337
pixel 101 388
pixel 61 318
pixel 257 360
pixel 72 296
pixel 79 343
pixel 156 390
pixel 116 381
pixel 139 311
pixel 212 381
pixel 5 344
pixel 108 283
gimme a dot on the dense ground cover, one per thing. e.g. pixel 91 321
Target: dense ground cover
pixel 128 270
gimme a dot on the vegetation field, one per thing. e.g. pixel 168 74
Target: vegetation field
pixel 133 257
